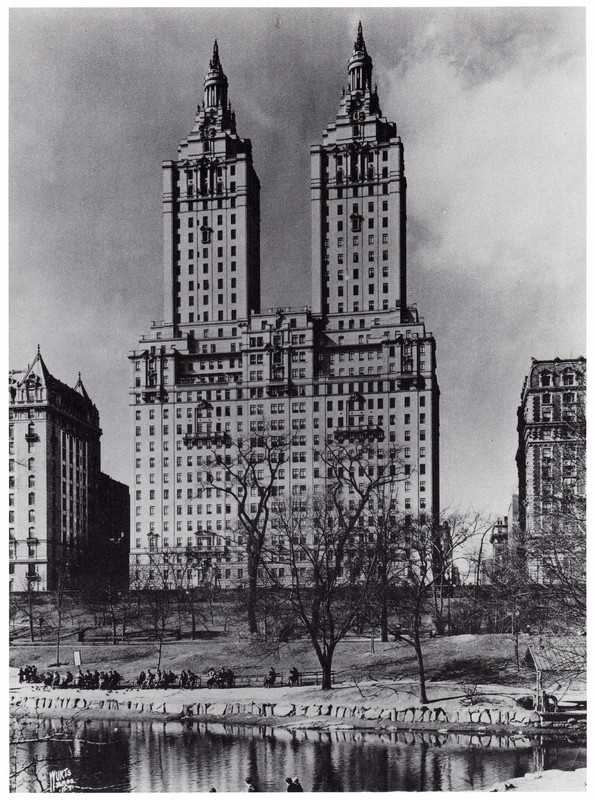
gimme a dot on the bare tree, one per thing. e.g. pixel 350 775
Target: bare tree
pixel 323 557
pixel 426 558
pixel 26 604
pixel 245 476
pixel 60 600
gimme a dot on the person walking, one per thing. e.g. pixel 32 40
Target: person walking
pixel 249 786
pixel 297 786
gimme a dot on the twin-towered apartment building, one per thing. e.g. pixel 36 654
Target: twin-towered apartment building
pixel 356 366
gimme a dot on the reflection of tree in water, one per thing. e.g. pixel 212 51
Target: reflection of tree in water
pixel 326 777
pixel 160 757
pixel 97 757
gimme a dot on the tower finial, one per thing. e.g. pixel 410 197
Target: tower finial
pixel 215 61
pixel 359 42
pixel 38 350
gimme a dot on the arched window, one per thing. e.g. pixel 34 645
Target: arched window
pixel 31 481
pixel 31 498
pixel 31 463
pixel 31 515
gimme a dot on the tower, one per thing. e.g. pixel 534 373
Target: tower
pixel 358 194
pixel 211 217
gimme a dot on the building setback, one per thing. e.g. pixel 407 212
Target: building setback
pixel 551 452
pixel 357 366
pixel 54 482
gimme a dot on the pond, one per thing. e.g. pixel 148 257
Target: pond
pixel 137 756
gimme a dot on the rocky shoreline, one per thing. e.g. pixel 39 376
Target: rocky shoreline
pixel 172 706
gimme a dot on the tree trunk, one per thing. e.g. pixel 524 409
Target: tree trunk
pixel 252 594
pixel 420 667
pixel 383 619
pixel 114 628
pixel 31 625
pixel 58 640
pixel 325 657
pixel 327 677
pixel 160 651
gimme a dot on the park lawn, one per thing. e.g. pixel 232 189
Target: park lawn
pixel 466 660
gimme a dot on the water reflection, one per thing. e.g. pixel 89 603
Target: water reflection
pixel 175 757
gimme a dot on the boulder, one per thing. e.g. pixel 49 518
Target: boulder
pixel 371 713
pixel 313 711
pixel 284 710
pixel 217 709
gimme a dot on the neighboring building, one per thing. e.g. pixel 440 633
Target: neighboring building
pixel 504 536
pixel 358 366
pixel 110 552
pixel 551 455
pixel 54 474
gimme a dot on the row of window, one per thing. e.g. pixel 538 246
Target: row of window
pixel 547 378
pixel 205 285
pixel 205 221
pixel 357 240
pixel 355 307
pixel 233 315
pixel 355 289
pixel 205 269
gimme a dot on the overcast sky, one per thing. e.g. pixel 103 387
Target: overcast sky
pixel 490 104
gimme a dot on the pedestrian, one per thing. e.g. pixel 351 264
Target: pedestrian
pixel 297 786
pixel 249 785
pixel 289 782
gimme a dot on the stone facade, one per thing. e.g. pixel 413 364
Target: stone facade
pixel 551 451
pixel 54 481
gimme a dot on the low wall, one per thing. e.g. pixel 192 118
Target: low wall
pixel 481 716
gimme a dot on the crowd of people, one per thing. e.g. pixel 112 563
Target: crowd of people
pixel 223 678
pixel 82 680
pixel 28 674
pixel 156 680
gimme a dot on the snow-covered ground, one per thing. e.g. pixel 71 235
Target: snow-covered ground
pixel 552 780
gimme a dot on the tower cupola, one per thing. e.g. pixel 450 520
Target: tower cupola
pixel 215 91
pixel 360 65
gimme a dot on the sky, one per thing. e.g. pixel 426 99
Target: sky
pixel 489 103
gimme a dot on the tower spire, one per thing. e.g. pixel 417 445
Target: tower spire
pixel 359 42
pixel 215 91
pixel 215 61
pixel 360 65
